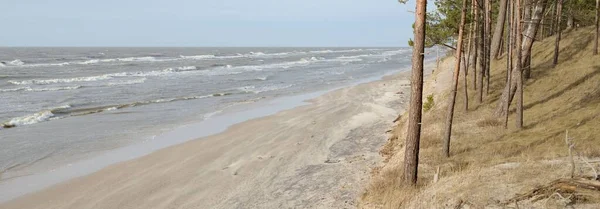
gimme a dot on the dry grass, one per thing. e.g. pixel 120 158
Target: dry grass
pixel 490 164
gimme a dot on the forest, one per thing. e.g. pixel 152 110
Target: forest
pixel 509 61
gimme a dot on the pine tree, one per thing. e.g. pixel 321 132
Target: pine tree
pixel 450 113
pixel 413 134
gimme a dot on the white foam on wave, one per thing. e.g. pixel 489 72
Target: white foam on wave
pixel 16 62
pixel 105 76
pixel 198 57
pixel 257 90
pixel 28 88
pixel 31 119
pixel 127 82
pixel 34 118
pixel 61 80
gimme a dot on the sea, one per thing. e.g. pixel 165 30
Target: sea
pixel 59 106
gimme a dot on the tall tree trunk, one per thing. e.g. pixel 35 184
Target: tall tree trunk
pixel 488 37
pixel 499 29
pixel 413 134
pixel 450 114
pixel 570 20
pixel 466 85
pixel 527 67
pixel 474 59
pixel 552 21
pixel 527 43
pixel 519 69
pixel 481 60
pixel 509 56
pixel 597 27
pixel 558 32
pixel 528 5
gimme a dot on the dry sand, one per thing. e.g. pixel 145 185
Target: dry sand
pixel 314 156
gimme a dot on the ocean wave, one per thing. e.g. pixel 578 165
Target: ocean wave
pixel 105 76
pixel 16 62
pixel 34 118
pixel 257 90
pixel 68 111
pixel 41 89
pixel 127 82
pixel 61 80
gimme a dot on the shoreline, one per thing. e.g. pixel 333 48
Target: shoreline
pixel 286 104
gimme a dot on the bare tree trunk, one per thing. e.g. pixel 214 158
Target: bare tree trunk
pixel 499 29
pixel 527 17
pixel 510 47
pixel 450 115
pixel 558 32
pixel 527 43
pixel 474 59
pixel 488 37
pixel 481 60
pixel 597 27
pixel 570 20
pixel 466 84
pixel 519 75
pixel 413 134
pixel 552 21
pixel 527 67
pixel 542 27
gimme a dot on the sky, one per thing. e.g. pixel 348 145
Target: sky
pixel 218 23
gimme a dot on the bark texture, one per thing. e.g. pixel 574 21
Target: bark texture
pixel 519 69
pixel 413 134
pixel 597 27
pixel 527 43
pixel 499 29
pixel 557 31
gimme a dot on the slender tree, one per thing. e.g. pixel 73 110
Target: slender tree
pixel 527 43
pixel 481 58
pixel 488 37
pixel 597 27
pixel 474 58
pixel 458 53
pixel 466 85
pixel 557 31
pixel 413 134
pixel 528 5
pixel 510 47
pixel 519 69
pixel 499 29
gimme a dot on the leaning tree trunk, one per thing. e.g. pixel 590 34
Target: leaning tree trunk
pixel 450 114
pixel 597 27
pixel 413 134
pixel 527 43
pixel 499 29
pixel 519 75
pixel 557 31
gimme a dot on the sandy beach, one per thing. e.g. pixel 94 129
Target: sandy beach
pixel 314 156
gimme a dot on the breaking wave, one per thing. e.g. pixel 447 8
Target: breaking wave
pixel 41 89
pixel 34 118
pixel 257 90
pixel 68 111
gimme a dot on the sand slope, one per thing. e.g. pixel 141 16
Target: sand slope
pixel 313 156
